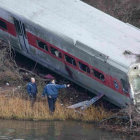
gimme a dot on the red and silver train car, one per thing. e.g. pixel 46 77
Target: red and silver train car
pixel 85 45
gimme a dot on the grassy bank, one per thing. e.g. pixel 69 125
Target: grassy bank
pixel 20 108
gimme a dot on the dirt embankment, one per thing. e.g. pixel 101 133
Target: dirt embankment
pixel 125 10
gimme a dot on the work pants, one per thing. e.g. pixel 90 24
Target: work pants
pixel 32 99
pixel 51 103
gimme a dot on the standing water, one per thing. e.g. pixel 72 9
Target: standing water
pixel 54 130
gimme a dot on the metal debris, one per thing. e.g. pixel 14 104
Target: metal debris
pixel 85 104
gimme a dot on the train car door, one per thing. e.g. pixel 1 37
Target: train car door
pixel 21 33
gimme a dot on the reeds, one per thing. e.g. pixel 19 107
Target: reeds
pixel 20 108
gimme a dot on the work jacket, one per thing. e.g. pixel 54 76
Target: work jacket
pixel 32 89
pixel 52 90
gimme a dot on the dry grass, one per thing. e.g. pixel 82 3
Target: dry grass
pixel 19 108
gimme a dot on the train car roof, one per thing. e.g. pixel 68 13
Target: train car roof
pixel 83 23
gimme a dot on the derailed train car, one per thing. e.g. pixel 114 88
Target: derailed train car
pixel 85 45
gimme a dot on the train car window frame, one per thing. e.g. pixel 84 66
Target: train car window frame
pixel 18 26
pixel 55 52
pixel 84 67
pixel 70 60
pixel 42 45
pixel 24 30
pixel 3 25
pixel 125 86
pixel 98 75
pixel 116 85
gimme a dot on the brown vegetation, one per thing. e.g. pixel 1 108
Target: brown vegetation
pixel 125 10
pixel 126 120
pixel 14 106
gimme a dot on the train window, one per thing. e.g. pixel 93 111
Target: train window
pixel 70 60
pixel 98 75
pixel 42 45
pixel 84 67
pixel 3 25
pixel 125 86
pixel 55 52
pixel 116 85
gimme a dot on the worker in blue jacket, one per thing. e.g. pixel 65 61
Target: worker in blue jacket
pixel 32 91
pixel 51 90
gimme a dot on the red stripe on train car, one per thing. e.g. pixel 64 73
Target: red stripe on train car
pixel 109 80
pixel 10 27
